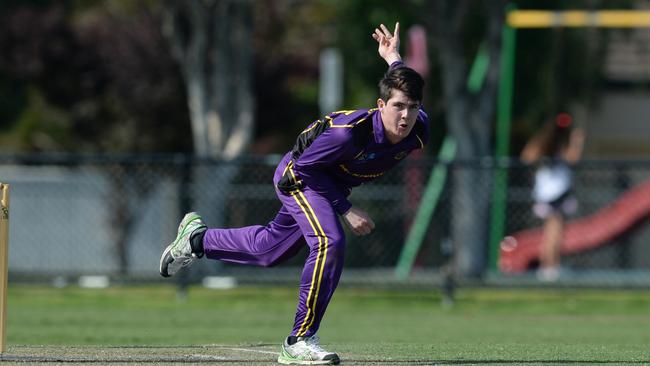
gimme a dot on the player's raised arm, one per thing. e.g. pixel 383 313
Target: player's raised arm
pixel 388 43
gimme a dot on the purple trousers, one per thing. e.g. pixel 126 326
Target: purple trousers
pixel 304 213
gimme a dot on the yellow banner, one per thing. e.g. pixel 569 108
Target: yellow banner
pixel 578 18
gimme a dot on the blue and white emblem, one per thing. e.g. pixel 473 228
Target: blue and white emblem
pixel 367 156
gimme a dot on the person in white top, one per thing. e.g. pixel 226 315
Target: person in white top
pixel 554 149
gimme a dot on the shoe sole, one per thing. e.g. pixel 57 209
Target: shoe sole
pixel 292 361
pixel 287 361
pixel 165 259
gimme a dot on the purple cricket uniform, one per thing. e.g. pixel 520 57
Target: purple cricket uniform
pixel 332 155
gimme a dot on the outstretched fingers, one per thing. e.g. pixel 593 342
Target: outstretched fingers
pixel 378 35
pixel 387 33
pixel 382 34
pixel 388 43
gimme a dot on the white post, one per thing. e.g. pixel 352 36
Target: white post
pixel 330 92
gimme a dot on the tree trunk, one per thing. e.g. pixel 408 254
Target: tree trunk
pixel 469 120
pixel 213 41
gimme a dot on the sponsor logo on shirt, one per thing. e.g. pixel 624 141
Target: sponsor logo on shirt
pixel 366 157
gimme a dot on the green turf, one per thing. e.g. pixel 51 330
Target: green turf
pixel 485 326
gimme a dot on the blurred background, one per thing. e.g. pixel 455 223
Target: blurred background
pixel 118 116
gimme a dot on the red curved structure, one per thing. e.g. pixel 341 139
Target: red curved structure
pixel 522 248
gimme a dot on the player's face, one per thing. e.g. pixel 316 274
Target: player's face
pixel 398 115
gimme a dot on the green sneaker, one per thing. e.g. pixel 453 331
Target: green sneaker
pixel 179 254
pixel 307 351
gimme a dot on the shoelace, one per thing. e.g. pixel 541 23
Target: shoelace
pixel 186 261
pixel 313 343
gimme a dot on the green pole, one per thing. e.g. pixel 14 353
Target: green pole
pixel 425 210
pixel 479 69
pixel 504 117
pixel 431 196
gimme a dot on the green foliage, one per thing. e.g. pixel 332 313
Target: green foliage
pixel 12 100
pixel 100 79
pixel 357 21
pixel 41 126
pixel 106 69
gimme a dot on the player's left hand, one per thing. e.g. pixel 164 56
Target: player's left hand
pixel 388 43
pixel 359 221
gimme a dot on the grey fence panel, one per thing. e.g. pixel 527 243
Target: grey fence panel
pixel 53 218
pixel 597 185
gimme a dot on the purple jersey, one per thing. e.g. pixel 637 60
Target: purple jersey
pixel 332 155
pixel 344 150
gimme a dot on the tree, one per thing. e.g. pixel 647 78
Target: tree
pixel 89 78
pixel 469 120
pixel 212 40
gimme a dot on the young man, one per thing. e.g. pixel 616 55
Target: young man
pixel 313 180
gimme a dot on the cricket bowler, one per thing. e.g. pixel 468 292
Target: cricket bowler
pixel 330 157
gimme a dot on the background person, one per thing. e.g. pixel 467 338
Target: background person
pixel 554 149
pixel 313 180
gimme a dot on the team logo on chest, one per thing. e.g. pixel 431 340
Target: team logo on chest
pixel 366 156
pixel 401 155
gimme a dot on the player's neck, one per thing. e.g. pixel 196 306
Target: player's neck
pixel 392 139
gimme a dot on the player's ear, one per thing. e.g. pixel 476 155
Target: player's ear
pixel 380 103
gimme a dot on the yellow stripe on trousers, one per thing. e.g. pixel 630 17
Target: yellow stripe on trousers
pixel 317 275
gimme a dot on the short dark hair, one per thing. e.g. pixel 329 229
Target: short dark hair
pixel 405 79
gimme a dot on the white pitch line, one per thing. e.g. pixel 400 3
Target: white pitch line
pixel 208 357
pixel 251 350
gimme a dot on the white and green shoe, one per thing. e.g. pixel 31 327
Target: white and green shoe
pixel 307 351
pixel 179 254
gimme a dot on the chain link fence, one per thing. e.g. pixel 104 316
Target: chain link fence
pixel 613 206
pixel 113 215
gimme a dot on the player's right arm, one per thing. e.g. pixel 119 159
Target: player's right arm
pixel 575 147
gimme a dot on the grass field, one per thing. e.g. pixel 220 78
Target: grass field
pixel 149 324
